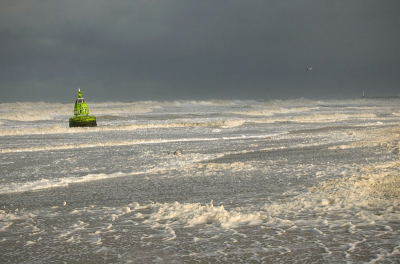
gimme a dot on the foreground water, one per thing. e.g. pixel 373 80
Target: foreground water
pixel 294 181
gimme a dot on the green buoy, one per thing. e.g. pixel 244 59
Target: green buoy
pixel 81 112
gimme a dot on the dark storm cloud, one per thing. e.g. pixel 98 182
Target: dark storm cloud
pixel 166 50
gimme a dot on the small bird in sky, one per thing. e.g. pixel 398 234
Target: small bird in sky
pixel 308 69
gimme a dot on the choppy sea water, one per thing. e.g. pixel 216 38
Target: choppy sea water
pixel 295 181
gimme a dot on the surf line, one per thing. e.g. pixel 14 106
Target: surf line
pixel 133 142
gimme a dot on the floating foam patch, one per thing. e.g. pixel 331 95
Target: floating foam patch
pixel 190 214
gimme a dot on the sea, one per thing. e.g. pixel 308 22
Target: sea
pixel 218 181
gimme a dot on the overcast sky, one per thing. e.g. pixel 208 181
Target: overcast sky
pixel 198 50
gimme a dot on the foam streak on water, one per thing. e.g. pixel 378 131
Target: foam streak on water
pixel 293 181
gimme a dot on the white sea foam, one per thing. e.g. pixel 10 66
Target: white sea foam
pixel 183 163
pixel 318 118
pixel 33 111
pixel 350 214
pixel 52 183
pixel 48 111
pixel 128 143
pixel 67 130
pixel 276 110
pixel 373 189
pixel 7 220
pixel 4 225
pixel 384 137
pixel 196 214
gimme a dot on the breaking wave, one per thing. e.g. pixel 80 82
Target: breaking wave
pixel 60 129
pixel 190 214
pixel 277 110
pixel 126 143
pixel 33 111
pixel 318 118
pixel 186 162
pixel 48 111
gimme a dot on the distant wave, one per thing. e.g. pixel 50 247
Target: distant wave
pixel 276 110
pixel 187 162
pixel 53 183
pixel 126 143
pixel 60 130
pixel 48 111
pixel 35 111
pixel 317 118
